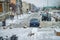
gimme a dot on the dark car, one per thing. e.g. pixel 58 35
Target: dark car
pixel 46 17
pixel 34 22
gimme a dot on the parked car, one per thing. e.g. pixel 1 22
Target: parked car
pixel 34 23
pixel 46 17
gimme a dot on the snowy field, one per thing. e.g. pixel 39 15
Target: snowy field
pixel 24 33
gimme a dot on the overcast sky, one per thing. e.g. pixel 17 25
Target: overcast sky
pixel 41 3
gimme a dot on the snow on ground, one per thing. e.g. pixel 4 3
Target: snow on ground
pixel 17 19
pixel 23 16
pixel 23 34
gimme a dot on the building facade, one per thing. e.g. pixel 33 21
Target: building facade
pixel 4 5
pixel 25 7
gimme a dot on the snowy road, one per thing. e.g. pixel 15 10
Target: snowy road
pixel 22 20
pixel 23 34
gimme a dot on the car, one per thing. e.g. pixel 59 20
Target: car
pixel 46 17
pixel 34 22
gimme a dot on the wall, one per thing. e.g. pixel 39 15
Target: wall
pixel 25 7
pixel 13 1
pixel 1 9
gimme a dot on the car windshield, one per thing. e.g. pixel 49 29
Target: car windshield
pixel 35 20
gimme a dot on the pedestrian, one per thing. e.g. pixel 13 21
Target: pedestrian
pixel 27 11
pixel 4 23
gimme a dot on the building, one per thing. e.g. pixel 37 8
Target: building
pixel 29 6
pixel 25 6
pixel 1 9
pixel 19 6
pixel 34 8
pixel 13 1
pixel 16 6
pixel 4 6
